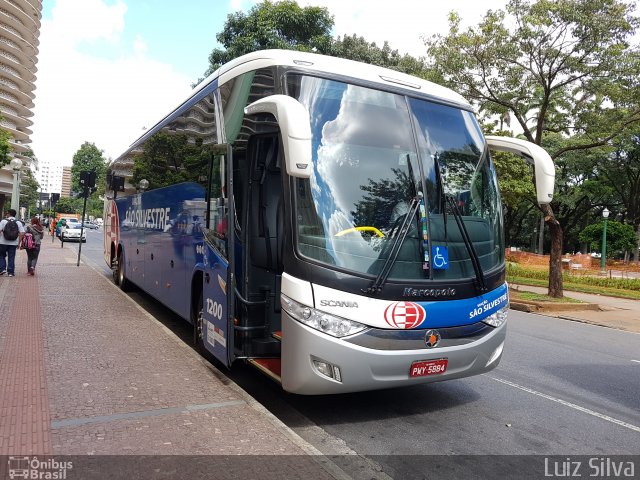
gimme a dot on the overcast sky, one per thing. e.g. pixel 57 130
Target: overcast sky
pixel 108 68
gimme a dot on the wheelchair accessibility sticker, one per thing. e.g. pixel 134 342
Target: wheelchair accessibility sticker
pixel 440 257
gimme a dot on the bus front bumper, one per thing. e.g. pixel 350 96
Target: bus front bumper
pixel 362 368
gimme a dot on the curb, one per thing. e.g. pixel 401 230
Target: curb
pixel 544 307
pixel 323 461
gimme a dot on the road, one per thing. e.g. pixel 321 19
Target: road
pixel 562 388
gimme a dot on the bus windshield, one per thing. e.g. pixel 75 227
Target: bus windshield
pixel 375 155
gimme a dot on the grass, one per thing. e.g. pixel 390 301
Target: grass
pixel 614 287
pixel 538 297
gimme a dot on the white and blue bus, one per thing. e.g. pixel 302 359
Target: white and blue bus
pixel 336 224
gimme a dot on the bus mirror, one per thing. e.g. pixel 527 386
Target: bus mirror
pixel 535 155
pixel 293 119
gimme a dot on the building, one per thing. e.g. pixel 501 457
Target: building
pixel 19 32
pixel 49 176
pixel 65 190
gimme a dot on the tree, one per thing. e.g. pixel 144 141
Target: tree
pixel 621 171
pixel 620 237
pixel 358 49
pixel 88 158
pixel 560 68
pixel 29 190
pixel 283 25
pixel 171 158
pixel 69 205
pixel 5 146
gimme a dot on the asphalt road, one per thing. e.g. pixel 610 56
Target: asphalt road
pixel 562 388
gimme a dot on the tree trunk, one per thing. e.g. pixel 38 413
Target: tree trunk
pixel 636 252
pixel 555 257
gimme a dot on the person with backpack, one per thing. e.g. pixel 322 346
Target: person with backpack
pixel 11 232
pixel 34 233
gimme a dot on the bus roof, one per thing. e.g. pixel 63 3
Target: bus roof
pixel 313 62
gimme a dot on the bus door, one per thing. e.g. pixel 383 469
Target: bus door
pixel 218 287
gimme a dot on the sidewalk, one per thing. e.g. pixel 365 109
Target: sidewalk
pixel 612 312
pixel 85 371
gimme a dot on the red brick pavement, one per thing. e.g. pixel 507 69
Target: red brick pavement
pixel 25 424
pixel 114 380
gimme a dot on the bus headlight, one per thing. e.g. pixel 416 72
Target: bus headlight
pixel 322 321
pixel 497 318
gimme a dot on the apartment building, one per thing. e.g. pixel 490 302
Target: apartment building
pixel 19 32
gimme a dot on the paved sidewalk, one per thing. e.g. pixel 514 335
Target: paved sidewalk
pixel 85 371
pixel 620 313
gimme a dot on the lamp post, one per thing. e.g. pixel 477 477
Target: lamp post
pixel 603 257
pixel 16 166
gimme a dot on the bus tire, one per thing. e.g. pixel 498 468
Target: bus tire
pixel 114 271
pixel 197 315
pixel 122 281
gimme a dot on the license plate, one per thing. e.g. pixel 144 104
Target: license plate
pixel 428 367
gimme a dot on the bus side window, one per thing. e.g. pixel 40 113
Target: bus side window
pixel 218 206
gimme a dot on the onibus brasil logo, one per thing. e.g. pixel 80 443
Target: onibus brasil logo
pixel 38 469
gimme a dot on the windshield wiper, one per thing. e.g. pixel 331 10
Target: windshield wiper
pixel 475 261
pixel 380 280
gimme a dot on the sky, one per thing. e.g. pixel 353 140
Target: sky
pixel 107 69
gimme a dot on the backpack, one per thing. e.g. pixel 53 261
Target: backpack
pixel 11 230
pixel 28 242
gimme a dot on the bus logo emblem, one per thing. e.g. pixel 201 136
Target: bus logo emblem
pixel 432 338
pixel 404 315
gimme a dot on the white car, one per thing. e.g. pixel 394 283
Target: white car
pixel 72 232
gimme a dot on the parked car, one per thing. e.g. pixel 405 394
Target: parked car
pixel 90 225
pixel 72 232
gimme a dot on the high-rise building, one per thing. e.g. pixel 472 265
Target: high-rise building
pixel 49 176
pixel 19 32
pixel 66 182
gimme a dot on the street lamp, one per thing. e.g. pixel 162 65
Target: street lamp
pixel 603 256
pixel 143 185
pixel 16 166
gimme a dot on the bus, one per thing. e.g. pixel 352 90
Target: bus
pixel 337 225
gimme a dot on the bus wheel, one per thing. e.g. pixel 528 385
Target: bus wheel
pixel 199 325
pixel 122 280
pixel 114 272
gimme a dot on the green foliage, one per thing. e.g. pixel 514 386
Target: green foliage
pixel 5 147
pixel 564 71
pixel 167 159
pixel 358 49
pixel 519 274
pixel 620 237
pixel 29 190
pixel 283 25
pixel 620 171
pixel 69 205
pixel 553 65
pixel 88 158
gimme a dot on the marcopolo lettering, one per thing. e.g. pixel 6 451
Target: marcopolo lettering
pixel 429 292
pixel 337 303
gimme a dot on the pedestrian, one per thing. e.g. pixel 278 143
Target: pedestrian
pixel 11 232
pixel 36 230
pixel 54 222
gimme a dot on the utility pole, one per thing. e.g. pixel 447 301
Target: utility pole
pixel 88 184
